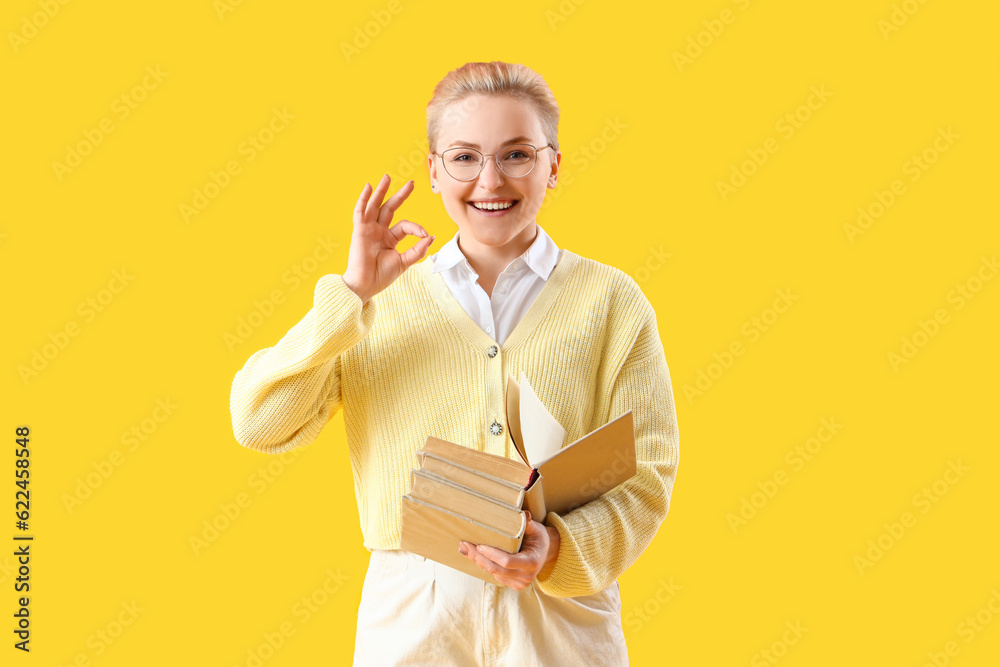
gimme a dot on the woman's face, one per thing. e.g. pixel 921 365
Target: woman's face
pixel 490 122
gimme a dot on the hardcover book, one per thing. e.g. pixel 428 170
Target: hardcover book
pixel 459 493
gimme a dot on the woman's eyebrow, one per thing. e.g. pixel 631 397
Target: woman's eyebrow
pixel 515 140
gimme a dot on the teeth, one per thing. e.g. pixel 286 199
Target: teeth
pixel 492 207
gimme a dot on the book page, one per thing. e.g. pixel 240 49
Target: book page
pixel 543 436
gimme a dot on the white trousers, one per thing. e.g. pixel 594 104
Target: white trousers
pixel 415 611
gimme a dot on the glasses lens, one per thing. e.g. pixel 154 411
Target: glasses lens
pixel 462 163
pixel 517 160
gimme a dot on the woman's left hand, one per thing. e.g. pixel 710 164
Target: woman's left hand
pixel 539 550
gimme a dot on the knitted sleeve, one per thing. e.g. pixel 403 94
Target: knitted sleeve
pixel 602 539
pixel 284 395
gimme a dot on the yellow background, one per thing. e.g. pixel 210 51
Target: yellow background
pixel 704 593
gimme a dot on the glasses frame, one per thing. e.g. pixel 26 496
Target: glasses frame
pixel 482 161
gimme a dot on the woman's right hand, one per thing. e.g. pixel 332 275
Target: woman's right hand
pixel 373 262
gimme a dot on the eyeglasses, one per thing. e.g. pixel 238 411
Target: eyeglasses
pixel 465 164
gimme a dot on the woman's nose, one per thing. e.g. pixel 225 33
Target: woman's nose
pixel 491 177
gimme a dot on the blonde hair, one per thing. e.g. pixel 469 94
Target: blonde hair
pixel 492 78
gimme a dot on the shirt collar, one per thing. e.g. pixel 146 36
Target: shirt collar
pixel 540 256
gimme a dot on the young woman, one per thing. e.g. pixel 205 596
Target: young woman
pixel 409 354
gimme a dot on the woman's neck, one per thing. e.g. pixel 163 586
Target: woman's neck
pixel 489 262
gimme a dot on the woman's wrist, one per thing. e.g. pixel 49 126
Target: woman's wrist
pixel 361 295
pixel 553 555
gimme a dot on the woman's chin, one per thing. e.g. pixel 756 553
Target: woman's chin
pixel 496 234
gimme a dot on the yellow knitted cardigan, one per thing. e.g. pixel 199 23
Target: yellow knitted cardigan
pixel 411 363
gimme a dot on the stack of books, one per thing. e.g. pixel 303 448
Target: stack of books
pixel 460 494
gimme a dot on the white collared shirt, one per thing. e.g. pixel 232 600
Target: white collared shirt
pixel 516 288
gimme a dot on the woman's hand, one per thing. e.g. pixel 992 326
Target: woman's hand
pixel 373 262
pixel 537 557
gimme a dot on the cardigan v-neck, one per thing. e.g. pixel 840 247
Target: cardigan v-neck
pixel 536 312
pixel 515 288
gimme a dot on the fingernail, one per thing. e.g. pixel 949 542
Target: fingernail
pixel 480 548
pixel 462 551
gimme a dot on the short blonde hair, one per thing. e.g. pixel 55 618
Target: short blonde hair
pixel 492 78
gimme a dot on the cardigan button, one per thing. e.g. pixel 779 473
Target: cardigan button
pixel 496 428
pixel 492 351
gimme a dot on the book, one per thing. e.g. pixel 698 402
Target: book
pixel 461 494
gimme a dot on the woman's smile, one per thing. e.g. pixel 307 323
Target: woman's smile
pixel 493 208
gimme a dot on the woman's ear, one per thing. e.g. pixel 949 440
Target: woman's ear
pixel 554 176
pixel 432 168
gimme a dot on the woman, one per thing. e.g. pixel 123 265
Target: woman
pixel 412 354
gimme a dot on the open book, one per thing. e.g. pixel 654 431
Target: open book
pixel 459 493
